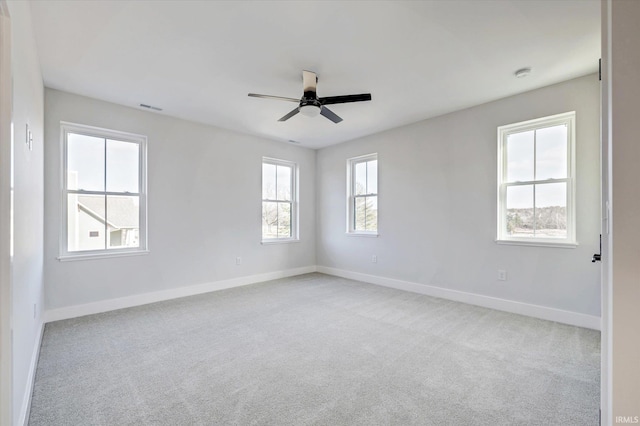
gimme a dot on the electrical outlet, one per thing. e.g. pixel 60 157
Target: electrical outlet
pixel 238 260
pixel 502 275
pixel 374 259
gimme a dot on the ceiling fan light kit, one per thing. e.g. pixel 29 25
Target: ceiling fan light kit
pixel 310 104
pixel 309 110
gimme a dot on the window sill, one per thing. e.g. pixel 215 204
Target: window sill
pixel 92 256
pixel 543 243
pixel 363 234
pixel 282 241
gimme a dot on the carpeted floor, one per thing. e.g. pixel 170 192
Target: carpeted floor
pixel 315 350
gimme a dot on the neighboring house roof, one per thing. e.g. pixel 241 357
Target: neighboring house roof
pixel 123 211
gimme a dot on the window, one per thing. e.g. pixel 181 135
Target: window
pixel 362 211
pixel 104 190
pixel 279 207
pixel 536 181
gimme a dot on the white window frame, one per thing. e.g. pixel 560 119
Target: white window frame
pixel 568 119
pixel 67 128
pixel 294 201
pixel 351 197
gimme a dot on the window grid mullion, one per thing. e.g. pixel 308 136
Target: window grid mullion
pixel 277 208
pixel 292 190
pixel 535 182
pixel 540 182
pixel 353 194
pixel 535 178
pixel 355 211
pixel 111 193
pixel 366 186
pixel 105 195
pixel 276 181
pixel 291 219
pixel 365 212
pixel 353 179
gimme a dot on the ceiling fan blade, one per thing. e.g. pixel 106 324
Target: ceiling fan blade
pixel 309 81
pixel 278 98
pixel 330 115
pixel 329 100
pixel 289 115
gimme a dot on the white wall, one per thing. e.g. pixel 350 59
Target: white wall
pixel 437 205
pixel 622 58
pixel 27 278
pixel 204 204
pixel 6 390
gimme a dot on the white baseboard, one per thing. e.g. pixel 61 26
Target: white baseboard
pixel 174 293
pixel 25 408
pixel 536 311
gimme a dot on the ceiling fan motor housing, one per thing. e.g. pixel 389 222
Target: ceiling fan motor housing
pixel 310 100
pixel 310 107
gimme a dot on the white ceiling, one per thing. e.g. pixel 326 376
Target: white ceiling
pixel 198 59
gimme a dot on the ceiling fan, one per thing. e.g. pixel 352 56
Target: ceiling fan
pixel 310 104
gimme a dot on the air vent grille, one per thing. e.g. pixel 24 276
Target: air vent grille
pixel 150 107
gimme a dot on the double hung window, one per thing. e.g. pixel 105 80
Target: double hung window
pixel 104 192
pixel 362 211
pixel 279 206
pixel 536 181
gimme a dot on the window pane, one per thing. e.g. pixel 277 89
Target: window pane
pixel 284 220
pixel 122 166
pixel 551 152
pixel 359 219
pixel 360 181
pixel 520 219
pixel 85 222
pixel 551 210
pixel 269 219
pixel 366 214
pixel 268 181
pixel 371 217
pixel 85 162
pixel 123 225
pixel 284 182
pixel 520 157
pixel 372 177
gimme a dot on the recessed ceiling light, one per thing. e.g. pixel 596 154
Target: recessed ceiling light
pixel 523 72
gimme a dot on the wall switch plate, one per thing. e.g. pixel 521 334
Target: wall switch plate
pixel 238 260
pixel 502 275
pixel 374 259
pixel 29 138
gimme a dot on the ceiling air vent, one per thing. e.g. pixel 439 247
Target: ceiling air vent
pixel 150 107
